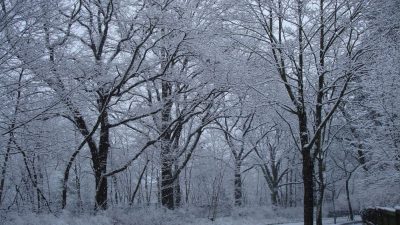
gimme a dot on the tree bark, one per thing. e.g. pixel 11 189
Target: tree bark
pixel 167 184
pixel 4 168
pixel 321 191
pixel 238 184
pixel 348 199
pixel 177 190
pixel 274 196
pixel 308 164
pixel 132 199
pixel 308 168
pixel 318 113
pixel 100 161
pixel 167 188
pixel 81 125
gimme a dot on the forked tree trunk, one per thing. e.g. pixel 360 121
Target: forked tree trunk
pixel 81 125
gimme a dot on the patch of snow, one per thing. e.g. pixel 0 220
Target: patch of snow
pixel 160 216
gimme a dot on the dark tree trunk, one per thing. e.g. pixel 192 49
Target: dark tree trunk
pixel 101 189
pixel 177 193
pixel 138 184
pixel 333 203
pixel 78 188
pixel 308 188
pixel 100 163
pixel 318 113
pixel 287 191
pixel 167 188
pixel 238 184
pixel 308 168
pixel 273 178
pixel 308 165
pixel 321 191
pixel 274 196
pixel 177 190
pixel 295 190
pixel 291 189
pixel 81 125
pixel 4 168
pixel 167 184
pixel 348 199
pixel 187 185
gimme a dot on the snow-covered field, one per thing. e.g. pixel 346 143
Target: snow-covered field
pixel 248 216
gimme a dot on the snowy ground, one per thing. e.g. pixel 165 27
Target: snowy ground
pixel 250 221
pixel 248 216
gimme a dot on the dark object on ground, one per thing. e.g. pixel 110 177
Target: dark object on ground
pixel 381 216
pixel 369 216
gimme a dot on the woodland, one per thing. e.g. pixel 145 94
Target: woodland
pixel 210 108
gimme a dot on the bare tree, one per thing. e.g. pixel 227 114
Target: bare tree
pixel 272 153
pixel 301 68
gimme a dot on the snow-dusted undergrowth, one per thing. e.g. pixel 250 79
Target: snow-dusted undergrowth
pixel 154 216
pixel 157 216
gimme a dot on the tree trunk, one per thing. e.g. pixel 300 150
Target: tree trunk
pixel 177 190
pixel 274 196
pixel 308 169
pixel 4 169
pixel 167 188
pixel 291 189
pixel 187 184
pixel 177 193
pixel 321 191
pixel 138 184
pixel 101 188
pixel 295 190
pixel 78 188
pixel 81 125
pixel 167 184
pixel 238 184
pixel 100 163
pixel 287 191
pixel 308 188
pixel 318 113
pixel 308 165
pixel 348 199
pixel 333 203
